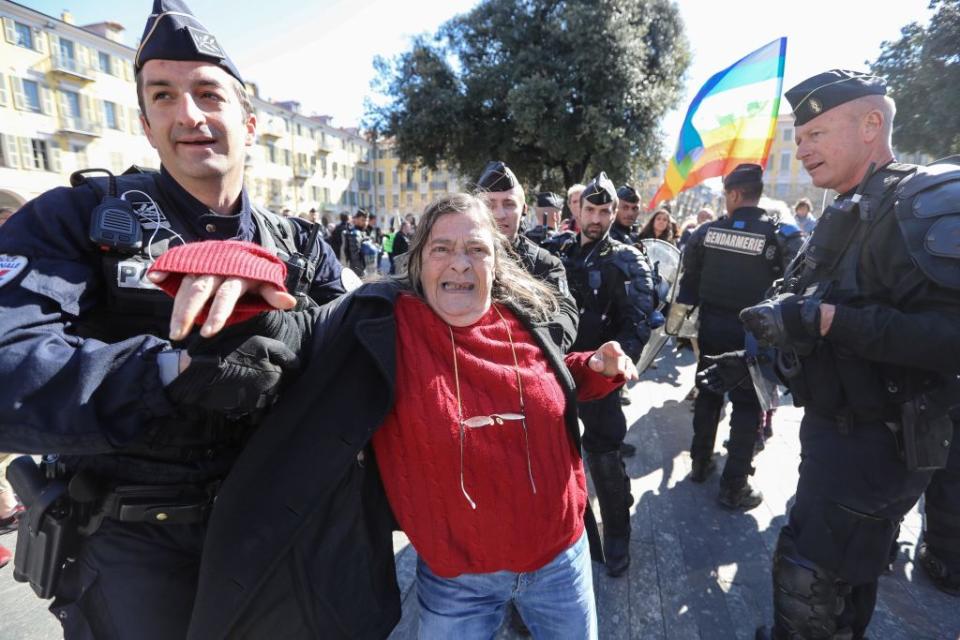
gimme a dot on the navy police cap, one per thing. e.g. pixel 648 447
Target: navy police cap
pixel 497 176
pixel 174 33
pixel 628 194
pixel 830 89
pixel 744 174
pixel 549 199
pixel 600 190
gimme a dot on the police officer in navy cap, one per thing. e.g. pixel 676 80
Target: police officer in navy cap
pixel 624 228
pixel 499 188
pixel 104 373
pixel 548 208
pixel 730 264
pixel 613 285
pixel 866 324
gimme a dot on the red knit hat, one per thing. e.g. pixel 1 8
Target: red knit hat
pixel 226 258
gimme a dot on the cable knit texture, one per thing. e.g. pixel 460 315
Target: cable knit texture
pixel 227 258
pixel 418 449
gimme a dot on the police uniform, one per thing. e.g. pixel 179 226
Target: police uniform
pixel 542 233
pixel 613 286
pixel 730 264
pixel 877 387
pixel 619 232
pixel 82 331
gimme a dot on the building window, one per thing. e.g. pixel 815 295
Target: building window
pixel 104 60
pixel 782 189
pixel 24 35
pixel 71 103
pixel 66 51
pixel 380 178
pixel 31 96
pixel 110 115
pixel 335 170
pixel 383 202
pixel 785 161
pixel 396 202
pixel 788 135
pixel 271 152
pixel 286 157
pixel 38 154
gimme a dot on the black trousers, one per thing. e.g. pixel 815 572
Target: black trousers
pixel 604 425
pixel 852 493
pixel 721 332
pixel 131 580
pixel 942 509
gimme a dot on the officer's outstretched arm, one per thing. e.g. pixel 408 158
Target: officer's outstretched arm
pixel 62 392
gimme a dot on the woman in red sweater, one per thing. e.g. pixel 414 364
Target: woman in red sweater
pixel 478 451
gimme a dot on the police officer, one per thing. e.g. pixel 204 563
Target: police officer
pixel 503 194
pixel 624 228
pixel 145 429
pixel 547 210
pixel 613 286
pixel 867 328
pixel 730 264
pixel 939 551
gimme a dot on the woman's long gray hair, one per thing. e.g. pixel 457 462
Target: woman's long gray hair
pixel 512 284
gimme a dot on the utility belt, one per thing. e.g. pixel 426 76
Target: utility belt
pixel 61 511
pixel 922 426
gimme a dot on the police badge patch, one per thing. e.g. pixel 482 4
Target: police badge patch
pixel 770 252
pixel 10 267
pixel 205 43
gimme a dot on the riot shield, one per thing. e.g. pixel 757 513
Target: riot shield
pixel 665 260
pixel 760 365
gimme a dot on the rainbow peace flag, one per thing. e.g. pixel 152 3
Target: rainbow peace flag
pixel 731 120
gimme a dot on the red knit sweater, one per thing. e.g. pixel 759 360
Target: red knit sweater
pixel 418 446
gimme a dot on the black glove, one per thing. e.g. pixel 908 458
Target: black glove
pixel 725 372
pixel 785 321
pixel 239 371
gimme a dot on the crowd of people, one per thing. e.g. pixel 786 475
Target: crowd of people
pixel 182 358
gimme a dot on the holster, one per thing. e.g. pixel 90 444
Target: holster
pixel 926 432
pixel 47 533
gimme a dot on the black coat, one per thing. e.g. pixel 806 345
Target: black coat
pixel 300 541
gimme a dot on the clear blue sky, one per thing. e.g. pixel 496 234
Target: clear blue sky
pixel 321 52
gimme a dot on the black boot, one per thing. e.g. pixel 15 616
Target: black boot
pixel 937 570
pixel 613 493
pixel 738 494
pixel 703 468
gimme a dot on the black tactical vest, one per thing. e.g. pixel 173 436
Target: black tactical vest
pixel 199 443
pixel 741 258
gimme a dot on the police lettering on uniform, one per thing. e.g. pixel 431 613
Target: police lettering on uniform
pixel 730 264
pixel 625 228
pixel 613 285
pixel 138 429
pixel 867 328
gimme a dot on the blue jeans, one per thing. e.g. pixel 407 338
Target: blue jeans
pixel 555 602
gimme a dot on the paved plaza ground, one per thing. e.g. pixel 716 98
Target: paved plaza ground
pixel 698 571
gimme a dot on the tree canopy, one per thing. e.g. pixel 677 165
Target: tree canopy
pixel 923 76
pixel 557 89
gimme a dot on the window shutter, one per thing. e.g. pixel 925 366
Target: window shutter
pixel 65 106
pixel 9 31
pixel 3 90
pixel 54 42
pixel 40 40
pixel 121 112
pixel 54 153
pixel 19 100
pixel 116 66
pixel 134 121
pixel 11 155
pixel 83 58
pixel 26 153
pixel 46 100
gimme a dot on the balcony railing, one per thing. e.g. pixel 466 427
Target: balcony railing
pixel 438 185
pixel 364 185
pixel 80 126
pixel 71 67
pixel 303 172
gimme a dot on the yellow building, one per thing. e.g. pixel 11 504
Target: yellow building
pixel 405 188
pixel 67 101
